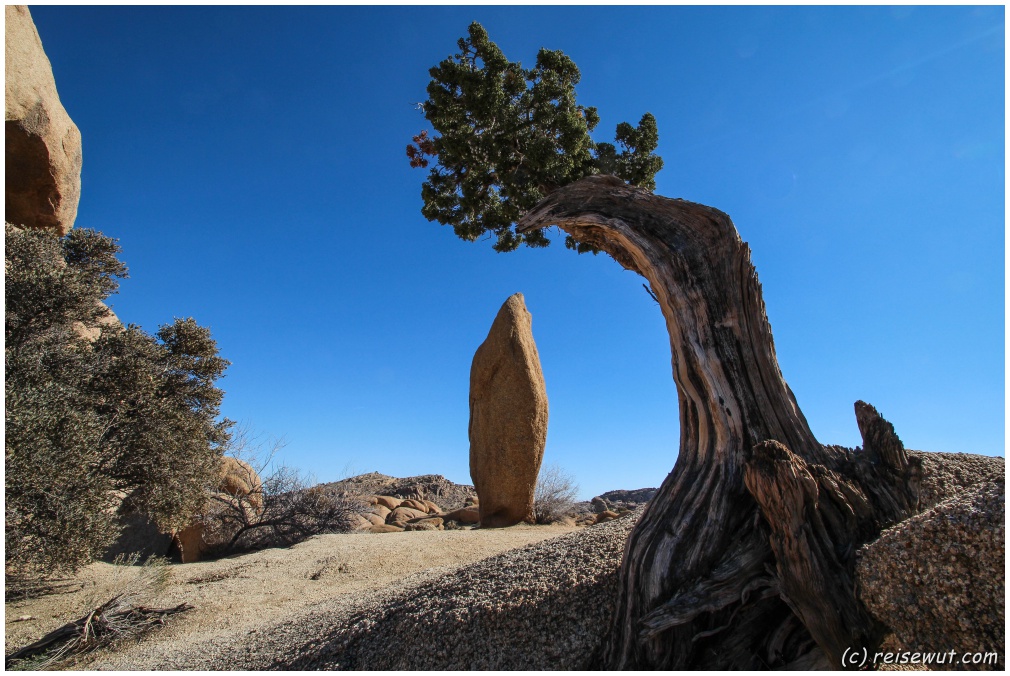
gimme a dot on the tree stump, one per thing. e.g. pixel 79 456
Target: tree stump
pixel 744 559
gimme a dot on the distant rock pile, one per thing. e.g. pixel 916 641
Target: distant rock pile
pixel 622 500
pixel 389 514
pixel 43 145
pixel 508 417
pixel 434 487
pixel 427 502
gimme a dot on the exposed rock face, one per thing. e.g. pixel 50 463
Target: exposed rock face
pixel 937 579
pixel 239 479
pixel 43 144
pixel 508 417
pixel 402 515
pixel 947 474
pixel 467 515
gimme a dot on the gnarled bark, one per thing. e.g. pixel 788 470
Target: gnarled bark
pixel 743 559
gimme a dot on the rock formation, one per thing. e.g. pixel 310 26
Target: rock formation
pixel 431 487
pixel 508 417
pixel 937 579
pixel 43 144
pixel 239 479
pixel 241 486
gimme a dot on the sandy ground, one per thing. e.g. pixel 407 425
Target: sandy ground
pixel 234 597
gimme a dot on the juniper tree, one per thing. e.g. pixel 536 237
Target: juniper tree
pixel 745 557
pixel 89 421
pixel 507 136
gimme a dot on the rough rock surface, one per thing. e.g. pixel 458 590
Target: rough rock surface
pixel 508 417
pixel 937 579
pixel 947 474
pixel 544 606
pixel 468 515
pixel 43 165
pixel 238 478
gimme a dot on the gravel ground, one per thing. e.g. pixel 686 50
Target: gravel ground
pixel 544 606
pixel 238 598
pixel 541 606
pixel 527 597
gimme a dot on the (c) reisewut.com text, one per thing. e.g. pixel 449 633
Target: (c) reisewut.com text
pixel 861 657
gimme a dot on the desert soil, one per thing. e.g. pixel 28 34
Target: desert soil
pixel 235 597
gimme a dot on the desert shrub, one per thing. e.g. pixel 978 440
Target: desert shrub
pixel 555 495
pixel 88 422
pixel 283 507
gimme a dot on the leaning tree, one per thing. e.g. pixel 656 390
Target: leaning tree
pixel 745 557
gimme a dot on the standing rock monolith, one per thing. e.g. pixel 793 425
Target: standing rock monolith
pixel 508 418
pixel 43 164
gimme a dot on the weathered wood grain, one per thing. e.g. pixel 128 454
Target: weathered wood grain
pixel 742 556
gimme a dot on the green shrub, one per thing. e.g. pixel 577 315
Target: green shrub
pixel 91 421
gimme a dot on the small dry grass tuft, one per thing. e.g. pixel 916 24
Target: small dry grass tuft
pixel 121 616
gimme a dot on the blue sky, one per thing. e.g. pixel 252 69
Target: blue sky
pixel 251 162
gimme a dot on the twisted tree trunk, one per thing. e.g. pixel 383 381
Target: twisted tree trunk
pixel 744 557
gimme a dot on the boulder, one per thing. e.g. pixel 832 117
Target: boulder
pixel 508 417
pixel 43 166
pixel 388 502
pixel 606 515
pixel 429 523
pixel 374 519
pixel 432 507
pixel 239 479
pixel 415 504
pixel 464 515
pixel 386 528
pixel 380 511
pixel 937 579
pixel 402 515
pixel 189 543
pixel 237 482
pixel 360 522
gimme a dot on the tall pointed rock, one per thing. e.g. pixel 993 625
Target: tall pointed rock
pixel 508 417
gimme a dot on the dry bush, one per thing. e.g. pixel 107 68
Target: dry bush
pixel 283 507
pixel 555 495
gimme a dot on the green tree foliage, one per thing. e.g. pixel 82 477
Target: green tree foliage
pixel 507 136
pixel 87 423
